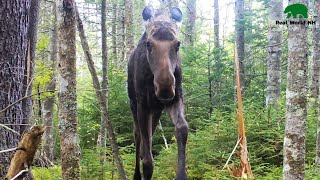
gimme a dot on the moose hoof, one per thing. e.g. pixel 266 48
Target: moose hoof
pixel 182 176
pixel 137 176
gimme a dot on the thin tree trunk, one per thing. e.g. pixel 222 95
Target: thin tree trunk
pixel 239 31
pixel 14 25
pixel 216 24
pixel 68 125
pixel 129 27
pixel 316 55
pixel 216 55
pixel 274 57
pixel 295 126
pixel 315 64
pixel 114 29
pixel 101 97
pixel 123 37
pixel 104 85
pixel 32 36
pixel 48 103
pixel 191 21
pixel 244 169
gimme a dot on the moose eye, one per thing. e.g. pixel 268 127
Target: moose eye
pixel 177 46
pixel 149 46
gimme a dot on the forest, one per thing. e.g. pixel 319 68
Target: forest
pixel 243 104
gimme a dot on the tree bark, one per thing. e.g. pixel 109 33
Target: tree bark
pixel 114 29
pixel 123 37
pixel 14 26
pixel 315 64
pixel 191 21
pixel 129 26
pixel 68 122
pixel 216 24
pixel 48 103
pixel 166 5
pixel 101 99
pixel 239 32
pixel 316 56
pixel 274 56
pixel 31 53
pixel 104 84
pixel 295 126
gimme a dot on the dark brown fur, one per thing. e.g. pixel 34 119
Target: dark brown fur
pixel 154 85
pixel 26 151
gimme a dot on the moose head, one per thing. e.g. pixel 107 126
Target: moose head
pixel 162 47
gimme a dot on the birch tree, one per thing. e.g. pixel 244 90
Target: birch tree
pixel 191 21
pixel 68 122
pixel 274 55
pixel 295 125
pixel 316 57
pixel 48 103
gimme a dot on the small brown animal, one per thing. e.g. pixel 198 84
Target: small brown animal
pixel 26 150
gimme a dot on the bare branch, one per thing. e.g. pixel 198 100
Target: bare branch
pixel 25 97
pixel 19 174
pixel 8 150
pixel 6 127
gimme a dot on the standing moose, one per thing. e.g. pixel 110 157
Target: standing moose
pixel 154 85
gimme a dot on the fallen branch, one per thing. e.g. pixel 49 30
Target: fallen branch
pixel 19 174
pixel 234 149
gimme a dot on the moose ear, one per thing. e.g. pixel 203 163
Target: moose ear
pixel 176 14
pixel 147 13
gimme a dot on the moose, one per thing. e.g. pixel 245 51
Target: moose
pixel 154 86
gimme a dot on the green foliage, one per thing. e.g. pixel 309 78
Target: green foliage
pixel 52 173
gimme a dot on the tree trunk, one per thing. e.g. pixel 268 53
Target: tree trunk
pixel 114 29
pixel 239 32
pixel 48 103
pixel 129 26
pixel 68 122
pixel 14 23
pixel 123 37
pixel 216 24
pixel 294 140
pixel 32 36
pixel 101 99
pixel 315 64
pixel 191 20
pixel 274 57
pixel 166 5
pixel 316 55
pixel 104 85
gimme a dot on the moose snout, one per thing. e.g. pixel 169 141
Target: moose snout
pixel 165 90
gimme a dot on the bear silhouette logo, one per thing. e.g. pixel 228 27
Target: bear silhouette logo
pixel 296 11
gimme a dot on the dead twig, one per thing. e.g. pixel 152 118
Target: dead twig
pixel 19 174
pixel 234 149
pixel 6 127
pixel 25 97
pixel 8 150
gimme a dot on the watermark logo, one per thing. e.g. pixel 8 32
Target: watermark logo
pixel 296 11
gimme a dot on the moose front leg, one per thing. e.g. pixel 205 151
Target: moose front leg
pixel 145 124
pixel 176 113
